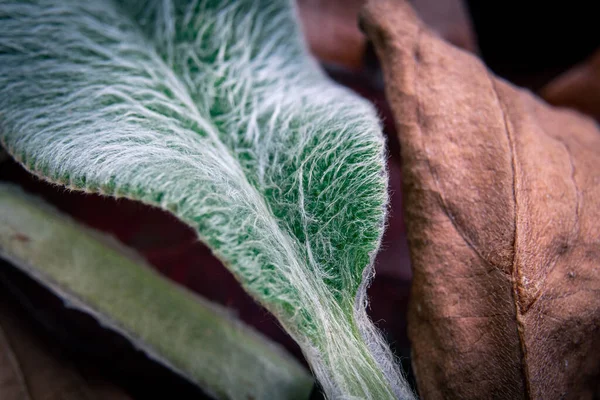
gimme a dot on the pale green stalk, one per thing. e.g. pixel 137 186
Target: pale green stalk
pixel 94 273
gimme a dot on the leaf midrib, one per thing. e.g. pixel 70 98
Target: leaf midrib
pixel 516 273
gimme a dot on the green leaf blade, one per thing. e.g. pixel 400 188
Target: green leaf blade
pixel 214 111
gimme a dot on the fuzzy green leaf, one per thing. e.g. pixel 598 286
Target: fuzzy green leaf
pixel 94 273
pixel 214 111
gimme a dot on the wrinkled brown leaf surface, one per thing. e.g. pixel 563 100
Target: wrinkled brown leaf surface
pixel 30 370
pixel 578 88
pixel 502 202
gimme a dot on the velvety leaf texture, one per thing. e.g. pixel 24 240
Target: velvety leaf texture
pixel 215 111
pixel 502 208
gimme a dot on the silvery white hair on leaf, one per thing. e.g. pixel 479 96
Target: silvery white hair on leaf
pixel 215 111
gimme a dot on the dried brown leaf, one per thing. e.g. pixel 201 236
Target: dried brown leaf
pixel 502 202
pixel 31 370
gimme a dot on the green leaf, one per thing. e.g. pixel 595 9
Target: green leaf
pixel 215 111
pixel 97 275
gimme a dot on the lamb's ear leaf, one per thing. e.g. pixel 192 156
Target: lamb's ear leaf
pixel 94 273
pixel 215 111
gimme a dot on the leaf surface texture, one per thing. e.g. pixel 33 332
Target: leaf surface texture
pixel 215 111
pixel 502 208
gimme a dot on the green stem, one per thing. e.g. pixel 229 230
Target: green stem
pixel 192 336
